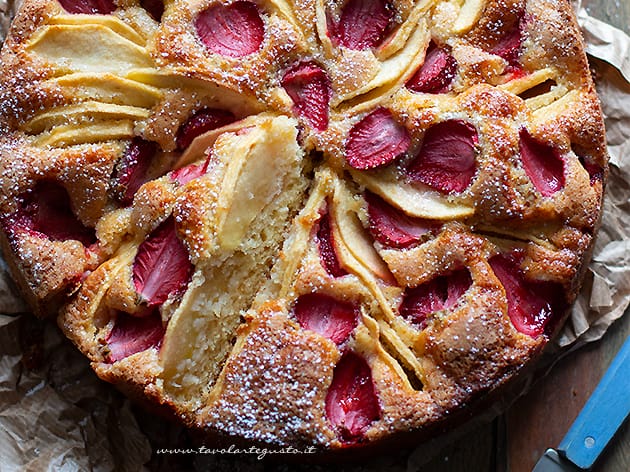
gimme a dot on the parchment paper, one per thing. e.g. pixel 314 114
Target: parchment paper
pixel 56 415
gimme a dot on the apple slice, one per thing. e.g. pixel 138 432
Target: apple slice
pixel 522 84
pixel 109 88
pixel 75 115
pixel 396 69
pixel 400 37
pixel 415 200
pixel 354 242
pixel 68 135
pixel 257 162
pixel 113 23
pixel 469 15
pixel 201 145
pixel 65 46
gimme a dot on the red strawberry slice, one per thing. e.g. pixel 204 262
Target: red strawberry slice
pixel 393 228
pixel 351 402
pixel 131 170
pixel 161 267
pixel 421 301
pixel 309 87
pixel 363 23
pixel 376 140
pixel 155 8
pixel 94 7
pixel 46 210
pixel 436 74
pixel 233 30
pixel 201 121
pixel 190 172
pixel 331 318
pixel 542 163
pixel 326 244
pixel 595 172
pixel 509 48
pixel 131 335
pixel 531 305
pixel 441 293
pixel 458 283
pixel 446 161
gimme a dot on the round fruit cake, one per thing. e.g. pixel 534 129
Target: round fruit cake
pixel 301 222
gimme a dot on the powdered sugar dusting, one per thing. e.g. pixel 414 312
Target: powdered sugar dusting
pixel 272 387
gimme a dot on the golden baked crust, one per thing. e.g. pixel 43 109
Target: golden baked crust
pixel 301 222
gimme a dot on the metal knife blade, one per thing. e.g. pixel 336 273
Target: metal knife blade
pixel 604 412
pixel 551 461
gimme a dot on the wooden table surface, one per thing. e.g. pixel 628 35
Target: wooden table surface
pixel 540 419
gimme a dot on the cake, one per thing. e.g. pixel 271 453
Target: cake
pixel 328 223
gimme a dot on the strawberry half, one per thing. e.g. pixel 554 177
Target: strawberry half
pixel 155 8
pixel 446 161
pixel 532 306
pixel 233 30
pixel 161 267
pixel 393 228
pixel 441 293
pixel 436 74
pixel 131 171
pixel 376 140
pixel 201 121
pixel 184 175
pixel 331 318
pixel 131 335
pixel 326 245
pixel 595 172
pixel 363 24
pixel 309 87
pixel 46 210
pixel 542 163
pixel 351 402
pixel 509 48
pixel 88 7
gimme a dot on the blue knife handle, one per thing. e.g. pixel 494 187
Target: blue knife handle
pixel 602 415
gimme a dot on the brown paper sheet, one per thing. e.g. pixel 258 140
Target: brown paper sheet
pixel 56 415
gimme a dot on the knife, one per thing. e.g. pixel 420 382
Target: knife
pixel 604 412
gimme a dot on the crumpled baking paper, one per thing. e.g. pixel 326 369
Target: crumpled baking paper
pixel 56 415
